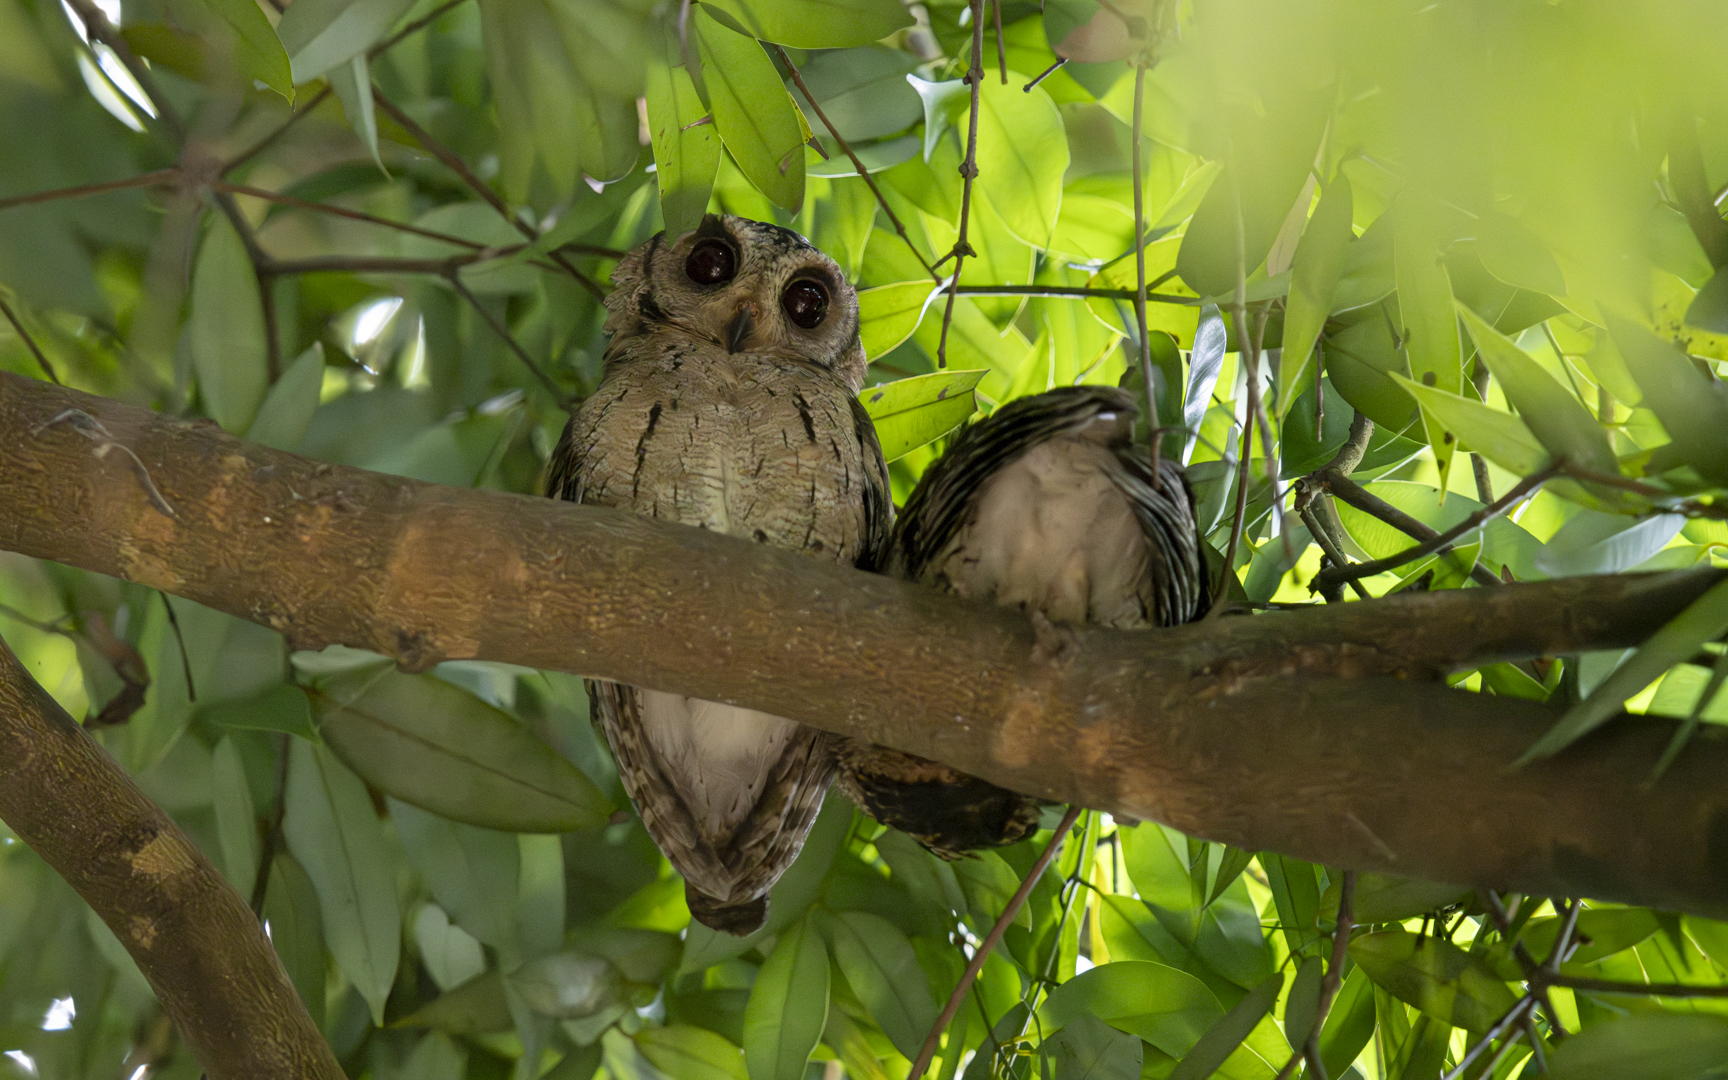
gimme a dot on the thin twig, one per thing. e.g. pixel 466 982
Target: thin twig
pixel 1001 46
pixel 968 173
pixel 413 28
pixel 180 640
pixel 273 833
pixel 1609 986
pixel 1079 292
pixel 149 179
pixel 503 331
pixel 383 264
pixel 1514 1016
pixel 1140 265
pixel 344 212
pixel 985 947
pixel 846 148
pixel 455 164
pixel 30 342
pixel 269 140
pixel 1443 541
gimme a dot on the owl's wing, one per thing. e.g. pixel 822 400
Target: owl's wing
pixel 726 879
pixel 1175 588
pixel 564 467
pixel 878 497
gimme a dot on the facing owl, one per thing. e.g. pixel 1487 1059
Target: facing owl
pixel 728 401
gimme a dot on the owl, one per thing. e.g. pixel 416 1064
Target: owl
pixel 728 401
pixel 1044 505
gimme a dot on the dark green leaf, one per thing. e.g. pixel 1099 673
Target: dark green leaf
pixel 477 1007
pixel 1557 418
pixel 289 405
pixel 297 930
pixel 1168 1008
pixel 816 24
pixel 788 1006
pixel 883 971
pixel 1435 976
pixel 1302 1007
pixel 259 50
pixel 690 1053
pixel 1649 1046
pixel 472 872
pixel 320 34
pixel 567 985
pixel 332 830
pixel 1089 1049
pixel 227 332
pixel 428 743
pixel 1389 898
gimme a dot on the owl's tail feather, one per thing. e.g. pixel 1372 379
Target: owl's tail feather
pixel 738 919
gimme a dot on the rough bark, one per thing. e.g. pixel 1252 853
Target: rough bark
pixel 205 954
pixel 1318 733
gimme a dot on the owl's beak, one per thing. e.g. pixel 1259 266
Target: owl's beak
pixel 739 329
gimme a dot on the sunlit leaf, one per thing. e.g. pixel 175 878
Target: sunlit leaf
pixel 1558 420
pixel 888 314
pixel 1500 437
pixel 686 143
pixel 1022 154
pixel 1224 1036
pixel 911 412
pixel 1315 272
pixel 1089 1049
pixel 756 117
pixel 1704 619
pixel 1430 327
pixel 1692 409
pixel 816 24
pixel 690 1053
pixel 1168 1008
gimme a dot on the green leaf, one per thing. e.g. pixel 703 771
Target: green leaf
pixel 477 1007
pixel 1601 932
pixel 297 930
pixel 320 34
pixel 1230 867
pixel 1691 408
pixel 1168 1008
pixel 444 750
pixel 1314 276
pixel 259 53
pixel 1709 309
pixel 567 985
pixel 756 117
pixel 1511 253
pixel 1389 898
pixel 288 407
pixel 1089 1049
pixel 1296 895
pixel 236 818
pixel 989 883
pixel 227 330
pixel 451 954
pixel 863 91
pixel 944 103
pixel 331 828
pixel 911 412
pixel 352 82
pixel 1229 1032
pixel 883 971
pixel 816 24
pixel 888 314
pixel 473 873
pixel 1350 1023
pixel 1647 1045
pixel 788 1006
pixel 691 1053
pixel 1593 542
pixel 686 148
pixel 1205 361
pixel 1558 419
pixel 1500 437
pixel 1705 619
pixel 1435 976
pixel 1430 330
pixel 1022 155
pixel 1302 1007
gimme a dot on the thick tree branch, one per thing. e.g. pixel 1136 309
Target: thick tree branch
pixel 206 956
pixel 1322 733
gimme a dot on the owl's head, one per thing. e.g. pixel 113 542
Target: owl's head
pixel 746 286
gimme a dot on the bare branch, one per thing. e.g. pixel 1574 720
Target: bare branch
pixel 968 173
pixel 503 331
pixel 29 342
pixel 149 179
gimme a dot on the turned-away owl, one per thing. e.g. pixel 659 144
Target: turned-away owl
pixel 729 402
pixel 1046 506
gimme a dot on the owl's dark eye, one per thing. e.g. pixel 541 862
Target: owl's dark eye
pixel 711 262
pixel 806 303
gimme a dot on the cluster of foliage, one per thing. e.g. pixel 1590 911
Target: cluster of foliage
pixel 373 231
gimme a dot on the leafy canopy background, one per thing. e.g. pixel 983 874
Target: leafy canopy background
pixel 375 232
